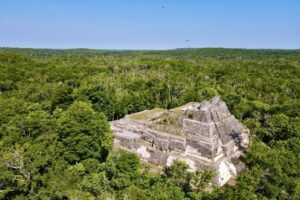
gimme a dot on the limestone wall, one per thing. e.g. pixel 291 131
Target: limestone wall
pixel 212 137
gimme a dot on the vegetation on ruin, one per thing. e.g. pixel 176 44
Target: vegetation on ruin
pixel 55 105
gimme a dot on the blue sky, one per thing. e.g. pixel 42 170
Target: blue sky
pixel 145 24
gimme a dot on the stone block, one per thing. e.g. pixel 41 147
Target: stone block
pixel 204 149
pixel 148 137
pixel 177 145
pixel 229 148
pixel 158 157
pixel 195 128
pixel 161 144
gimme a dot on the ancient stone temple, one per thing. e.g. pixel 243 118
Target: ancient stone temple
pixel 204 135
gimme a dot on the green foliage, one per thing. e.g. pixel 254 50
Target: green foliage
pixel 208 93
pixel 96 183
pixel 278 126
pixel 193 184
pixel 83 133
pixel 126 163
pixel 55 140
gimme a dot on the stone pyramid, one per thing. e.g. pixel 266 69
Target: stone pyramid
pixel 209 137
pixel 211 130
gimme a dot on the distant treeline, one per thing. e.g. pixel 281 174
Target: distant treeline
pixel 219 53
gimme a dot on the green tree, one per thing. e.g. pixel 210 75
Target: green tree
pixel 96 183
pixel 83 133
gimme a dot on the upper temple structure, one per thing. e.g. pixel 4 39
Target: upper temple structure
pixel 204 135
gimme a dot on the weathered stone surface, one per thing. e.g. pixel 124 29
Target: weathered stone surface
pixel 148 137
pixel 195 128
pixel 176 144
pixel 143 152
pixel 158 158
pixel 244 138
pixel 225 170
pixel 203 149
pixel 211 137
pixel 229 148
pixel 161 144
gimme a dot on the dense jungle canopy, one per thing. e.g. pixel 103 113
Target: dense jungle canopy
pixel 55 105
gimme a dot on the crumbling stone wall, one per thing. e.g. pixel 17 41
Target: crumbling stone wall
pixel 211 137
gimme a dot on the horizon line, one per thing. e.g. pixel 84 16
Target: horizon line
pixel 158 49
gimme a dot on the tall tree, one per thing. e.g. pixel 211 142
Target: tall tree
pixel 84 133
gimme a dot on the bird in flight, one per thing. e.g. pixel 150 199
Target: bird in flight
pixel 187 40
